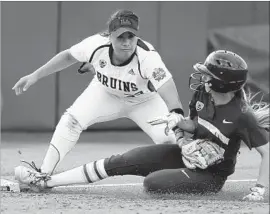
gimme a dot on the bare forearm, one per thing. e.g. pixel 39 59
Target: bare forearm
pixel 263 177
pixel 59 62
pixel 169 94
pixel 187 125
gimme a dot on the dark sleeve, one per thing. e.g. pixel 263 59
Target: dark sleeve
pixel 192 106
pixel 252 135
pixel 197 95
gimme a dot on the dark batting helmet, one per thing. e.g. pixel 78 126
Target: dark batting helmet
pixel 227 69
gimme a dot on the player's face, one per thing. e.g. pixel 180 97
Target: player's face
pixel 206 78
pixel 124 45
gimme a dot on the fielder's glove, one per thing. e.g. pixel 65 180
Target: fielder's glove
pixel 257 193
pixel 86 67
pixel 171 120
pixel 200 153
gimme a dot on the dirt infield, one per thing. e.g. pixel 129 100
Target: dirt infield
pixel 122 194
pixel 128 199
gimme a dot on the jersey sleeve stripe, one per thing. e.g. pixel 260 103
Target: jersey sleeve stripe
pixel 214 130
pixel 139 66
pixel 92 56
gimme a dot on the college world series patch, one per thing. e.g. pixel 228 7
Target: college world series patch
pixel 159 74
pixel 102 63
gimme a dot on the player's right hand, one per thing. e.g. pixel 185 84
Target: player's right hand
pixel 171 120
pixel 24 83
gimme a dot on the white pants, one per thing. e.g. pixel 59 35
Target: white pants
pixel 95 105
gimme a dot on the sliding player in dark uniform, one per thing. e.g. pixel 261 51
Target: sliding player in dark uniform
pixel 221 115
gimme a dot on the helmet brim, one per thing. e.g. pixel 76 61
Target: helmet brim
pixel 200 67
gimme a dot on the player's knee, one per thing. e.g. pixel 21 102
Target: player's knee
pixel 152 183
pixel 71 122
pixel 149 184
pixel 167 181
pixel 69 126
pixel 159 182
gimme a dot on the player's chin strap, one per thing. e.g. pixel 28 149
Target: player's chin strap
pixel 32 165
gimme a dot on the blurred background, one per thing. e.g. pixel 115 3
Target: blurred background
pixel 182 32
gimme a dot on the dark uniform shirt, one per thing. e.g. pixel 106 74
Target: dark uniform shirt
pixel 225 125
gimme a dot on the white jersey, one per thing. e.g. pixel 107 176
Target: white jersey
pixel 139 78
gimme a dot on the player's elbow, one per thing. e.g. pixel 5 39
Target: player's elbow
pixel 265 155
pixel 67 56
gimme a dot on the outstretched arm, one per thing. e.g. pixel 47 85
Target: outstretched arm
pixel 59 62
pixel 62 60
pixel 257 192
pixel 169 94
pixel 263 178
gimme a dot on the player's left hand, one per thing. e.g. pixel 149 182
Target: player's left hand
pixel 257 194
pixel 171 121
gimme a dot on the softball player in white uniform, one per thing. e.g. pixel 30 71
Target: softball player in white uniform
pixel 130 81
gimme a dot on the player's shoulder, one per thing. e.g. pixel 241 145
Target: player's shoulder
pixel 145 46
pixel 97 40
pixel 146 50
pixel 257 134
pixel 200 89
pixel 199 93
pixel 247 118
